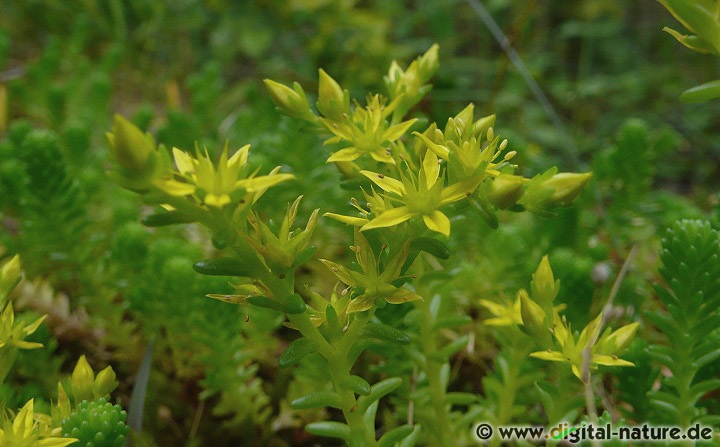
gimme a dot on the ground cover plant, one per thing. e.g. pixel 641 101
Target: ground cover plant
pixel 314 231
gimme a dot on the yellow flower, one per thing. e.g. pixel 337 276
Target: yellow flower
pixel 367 130
pixel 466 152
pixel 420 196
pixel 374 282
pixel 216 185
pixel 505 314
pixel 12 334
pixel 28 430
pixel 604 350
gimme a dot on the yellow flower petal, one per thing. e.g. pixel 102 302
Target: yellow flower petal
pixel 175 188
pixel 342 273
pixel 382 156
pixel 402 296
pixel 347 219
pixel 437 221
pixel 183 161
pixel 552 356
pixel 263 182
pixel 347 154
pixel 360 304
pixel 459 191
pixel 610 360
pixel 21 344
pixel 389 218
pixel 388 184
pixel 217 201
pixel 431 169
pixel 240 157
pixel 398 130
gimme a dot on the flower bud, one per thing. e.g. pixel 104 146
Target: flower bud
pixel 533 318
pixel 9 273
pixel 293 101
pixel 566 186
pixel 544 286
pixel 132 148
pixel 82 380
pixel 428 63
pixel 506 190
pixel 105 382
pixel 331 98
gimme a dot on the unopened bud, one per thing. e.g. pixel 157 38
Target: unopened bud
pixel 566 186
pixel 331 98
pixel 131 147
pixel 292 101
pixel 82 380
pixel 506 190
pixel 544 286
pixel 428 63
pixel 9 274
pixel 105 382
pixel 533 318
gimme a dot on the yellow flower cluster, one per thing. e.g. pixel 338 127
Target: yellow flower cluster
pixel 145 167
pixel 543 322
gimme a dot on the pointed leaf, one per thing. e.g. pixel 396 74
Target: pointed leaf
pixel 437 221
pixel 330 429
pixel 390 218
pixel 296 351
pixel 386 333
pixel 377 391
pixel 318 399
pixel 432 246
pixel 395 435
pixel 356 384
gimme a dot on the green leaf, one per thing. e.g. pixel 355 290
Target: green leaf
pixel 223 267
pixel 708 358
pixel 356 384
pixel 263 301
pixel 460 398
pixel 293 304
pixel 700 389
pixel 704 92
pixel 411 439
pixel 387 333
pixel 318 399
pixel 377 391
pixel 432 246
pixel 329 429
pixel 395 435
pixel 296 351
pixel 451 348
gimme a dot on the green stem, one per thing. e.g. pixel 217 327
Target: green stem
pixel 336 354
pixel 442 428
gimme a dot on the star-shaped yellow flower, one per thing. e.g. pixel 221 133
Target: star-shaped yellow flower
pixel 420 196
pixel 374 281
pixel 604 349
pixel 367 130
pixel 216 184
pixel 26 431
